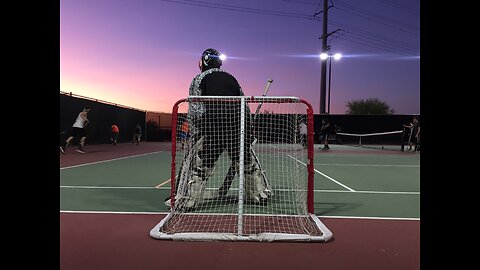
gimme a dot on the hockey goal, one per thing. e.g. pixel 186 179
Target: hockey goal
pixel 242 169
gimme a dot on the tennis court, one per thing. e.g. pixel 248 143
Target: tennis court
pixel 112 196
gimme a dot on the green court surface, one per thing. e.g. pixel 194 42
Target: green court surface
pixel 349 182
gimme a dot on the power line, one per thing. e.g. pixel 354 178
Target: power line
pixel 368 43
pixel 389 22
pixel 378 39
pixel 241 9
pixel 362 36
pixel 318 6
pixel 373 40
pixel 300 2
pixel 400 5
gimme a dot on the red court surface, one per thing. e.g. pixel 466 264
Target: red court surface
pixel 122 241
pixel 102 152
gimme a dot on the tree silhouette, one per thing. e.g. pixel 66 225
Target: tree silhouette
pixel 368 106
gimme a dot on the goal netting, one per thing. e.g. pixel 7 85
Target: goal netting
pixel 242 169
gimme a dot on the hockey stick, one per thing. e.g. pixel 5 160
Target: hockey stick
pixel 227 182
pixel 269 82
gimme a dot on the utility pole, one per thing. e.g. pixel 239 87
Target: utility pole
pixel 325 49
pixel 329 81
pixel 323 78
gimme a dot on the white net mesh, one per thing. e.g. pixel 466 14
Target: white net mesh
pixel 241 175
pixel 390 140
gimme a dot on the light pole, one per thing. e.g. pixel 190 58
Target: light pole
pixel 329 81
pixel 329 57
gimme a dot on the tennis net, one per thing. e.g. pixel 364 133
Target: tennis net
pixel 391 140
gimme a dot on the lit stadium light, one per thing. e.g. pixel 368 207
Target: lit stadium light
pixel 336 56
pixel 223 57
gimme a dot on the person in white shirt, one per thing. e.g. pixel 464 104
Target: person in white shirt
pixel 78 131
pixel 303 134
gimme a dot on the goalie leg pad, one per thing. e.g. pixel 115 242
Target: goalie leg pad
pixel 255 188
pixel 196 187
pixel 191 185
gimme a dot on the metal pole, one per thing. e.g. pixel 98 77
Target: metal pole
pixel 241 166
pixel 145 126
pixel 329 81
pixel 323 80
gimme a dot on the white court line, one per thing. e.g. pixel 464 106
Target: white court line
pixel 368 155
pixel 166 213
pixel 112 212
pixel 101 187
pixel 367 165
pixel 353 217
pixel 316 190
pixel 324 175
pixel 370 192
pixel 108 160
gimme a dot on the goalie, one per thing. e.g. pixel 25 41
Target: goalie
pixel 215 128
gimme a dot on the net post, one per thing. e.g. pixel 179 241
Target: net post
pixel 174 152
pixel 241 173
pixel 310 156
pixel 402 142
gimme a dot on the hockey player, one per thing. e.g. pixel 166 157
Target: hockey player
pixel 215 129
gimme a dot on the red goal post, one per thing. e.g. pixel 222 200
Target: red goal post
pixel 245 172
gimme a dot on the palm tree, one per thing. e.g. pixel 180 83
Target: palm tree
pixel 368 106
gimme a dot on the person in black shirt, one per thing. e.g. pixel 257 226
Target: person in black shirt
pixel 414 134
pixel 214 128
pixel 324 132
pixel 137 134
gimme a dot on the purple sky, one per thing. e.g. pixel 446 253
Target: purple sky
pixel 144 53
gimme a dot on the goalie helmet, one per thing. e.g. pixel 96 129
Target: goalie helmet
pixel 210 59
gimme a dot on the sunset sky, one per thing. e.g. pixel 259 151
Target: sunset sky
pixel 144 53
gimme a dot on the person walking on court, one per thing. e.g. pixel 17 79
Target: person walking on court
pixel 184 133
pixel 303 134
pixel 137 134
pixel 115 131
pixel 78 131
pixel 324 132
pixel 414 134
